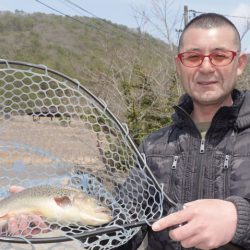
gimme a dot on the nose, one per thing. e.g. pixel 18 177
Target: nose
pixel 206 65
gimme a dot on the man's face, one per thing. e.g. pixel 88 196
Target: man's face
pixel 208 84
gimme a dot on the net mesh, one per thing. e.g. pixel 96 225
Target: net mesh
pixel 55 132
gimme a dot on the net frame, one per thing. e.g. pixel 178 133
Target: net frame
pixel 131 227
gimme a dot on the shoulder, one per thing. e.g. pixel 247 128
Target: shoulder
pixel 160 136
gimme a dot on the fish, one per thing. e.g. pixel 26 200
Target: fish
pixel 57 204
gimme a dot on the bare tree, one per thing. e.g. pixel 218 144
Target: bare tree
pixel 246 29
pixel 139 78
pixel 161 18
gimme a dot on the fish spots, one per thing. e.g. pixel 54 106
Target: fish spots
pixel 63 201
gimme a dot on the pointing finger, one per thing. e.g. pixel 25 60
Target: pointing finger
pixel 173 219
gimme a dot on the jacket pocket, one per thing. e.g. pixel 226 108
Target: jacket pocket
pixel 165 170
pixel 221 176
pixel 240 176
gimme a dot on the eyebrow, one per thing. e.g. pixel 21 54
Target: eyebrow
pixel 215 49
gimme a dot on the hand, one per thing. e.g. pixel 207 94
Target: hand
pixel 206 224
pixel 26 225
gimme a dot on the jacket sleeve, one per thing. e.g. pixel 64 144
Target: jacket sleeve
pixel 242 234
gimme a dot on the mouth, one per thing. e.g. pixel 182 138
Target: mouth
pixel 103 210
pixel 204 83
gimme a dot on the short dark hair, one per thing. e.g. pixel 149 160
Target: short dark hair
pixel 208 21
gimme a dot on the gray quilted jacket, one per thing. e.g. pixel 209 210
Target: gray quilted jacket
pixel 192 168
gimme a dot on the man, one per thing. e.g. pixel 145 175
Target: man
pixel 203 158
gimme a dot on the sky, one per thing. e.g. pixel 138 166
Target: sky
pixel 127 12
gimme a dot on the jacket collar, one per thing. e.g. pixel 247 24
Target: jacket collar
pixel 236 115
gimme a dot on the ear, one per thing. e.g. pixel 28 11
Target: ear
pixel 63 201
pixel 242 62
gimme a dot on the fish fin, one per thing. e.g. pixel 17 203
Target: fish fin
pixel 63 201
pixel 5 216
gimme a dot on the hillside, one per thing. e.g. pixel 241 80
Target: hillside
pixel 51 39
pixel 130 70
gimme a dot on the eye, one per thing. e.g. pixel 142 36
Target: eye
pixel 219 56
pixel 192 57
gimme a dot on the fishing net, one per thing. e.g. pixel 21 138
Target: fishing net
pixel 55 132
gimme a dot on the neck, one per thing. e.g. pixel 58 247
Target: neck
pixel 205 113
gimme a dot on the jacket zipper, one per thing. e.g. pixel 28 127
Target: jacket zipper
pixel 201 169
pixel 202 146
pixel 226 162
pixel 173 168
pixel 174 165
pixel 226 174
pixel 202 151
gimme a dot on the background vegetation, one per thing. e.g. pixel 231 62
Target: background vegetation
pixel 129 69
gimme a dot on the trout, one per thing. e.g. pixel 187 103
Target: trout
pixel 63 205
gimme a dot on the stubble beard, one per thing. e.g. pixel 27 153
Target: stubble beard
pixel 211 99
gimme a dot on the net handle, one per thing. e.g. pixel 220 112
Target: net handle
pixel 77 236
